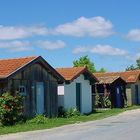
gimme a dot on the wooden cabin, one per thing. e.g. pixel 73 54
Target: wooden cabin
pixel 34 79
pixel 113 86
pixel 132 79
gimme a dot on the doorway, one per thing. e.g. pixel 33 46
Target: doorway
pixel 39 98
pixel 78 96
pixel 118 97
pixel 136 94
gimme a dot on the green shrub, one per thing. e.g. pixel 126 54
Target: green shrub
pixel 11 110
pixel 38 119
pixel 107 102
pixel 72 112
pixel 61 112
pixel 97 100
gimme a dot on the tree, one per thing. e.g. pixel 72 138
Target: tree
pixel 85 61
pixel 132 67
pixel 138 63
pixel 102 70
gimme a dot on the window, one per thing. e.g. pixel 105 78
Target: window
pixel 22 90
pixel 60 90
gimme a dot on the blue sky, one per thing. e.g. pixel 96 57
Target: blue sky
pixel 108 31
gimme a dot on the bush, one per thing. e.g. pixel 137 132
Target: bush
pixel 72 112
pixel 107 102
pixel 97 100
pixel 38 119
pixel 11 110
pixel 61 112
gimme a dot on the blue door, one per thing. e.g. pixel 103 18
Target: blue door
pixel 118 97
pixel 39 98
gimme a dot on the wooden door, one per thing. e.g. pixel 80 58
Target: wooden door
pixel 39 98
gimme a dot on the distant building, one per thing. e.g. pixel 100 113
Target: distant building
pixel 132 79
pixel 113 87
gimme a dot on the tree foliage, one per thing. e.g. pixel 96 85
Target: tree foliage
pixel 85 61
pixel 132 67
pixel 138 63
pixel 102 70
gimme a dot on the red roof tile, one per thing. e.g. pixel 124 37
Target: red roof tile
pixel 8 66
pixel 128 76
pixel 71 73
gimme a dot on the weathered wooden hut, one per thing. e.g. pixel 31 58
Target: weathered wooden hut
pixel 33 78
pixel 132 79
pixel 113 86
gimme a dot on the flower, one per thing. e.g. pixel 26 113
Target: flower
pixel 6 107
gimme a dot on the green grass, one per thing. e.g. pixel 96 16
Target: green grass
pixel 55 122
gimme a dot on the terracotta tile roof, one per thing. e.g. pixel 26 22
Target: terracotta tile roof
pixel 70 74
pixel 128 76
pixel 8 66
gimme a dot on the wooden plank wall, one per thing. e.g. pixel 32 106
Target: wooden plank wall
pixel 28 78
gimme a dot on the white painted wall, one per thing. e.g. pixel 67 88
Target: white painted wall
pixel 69 92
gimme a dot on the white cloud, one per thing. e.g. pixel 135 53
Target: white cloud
pixel 19 46
pixel 133 57
pixel 51 45
pixel 133 35
pixel 93 27
pixel 18 32
pixel 15 46
pixel 101 49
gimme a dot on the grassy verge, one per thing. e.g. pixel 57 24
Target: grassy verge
pixel 55 122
